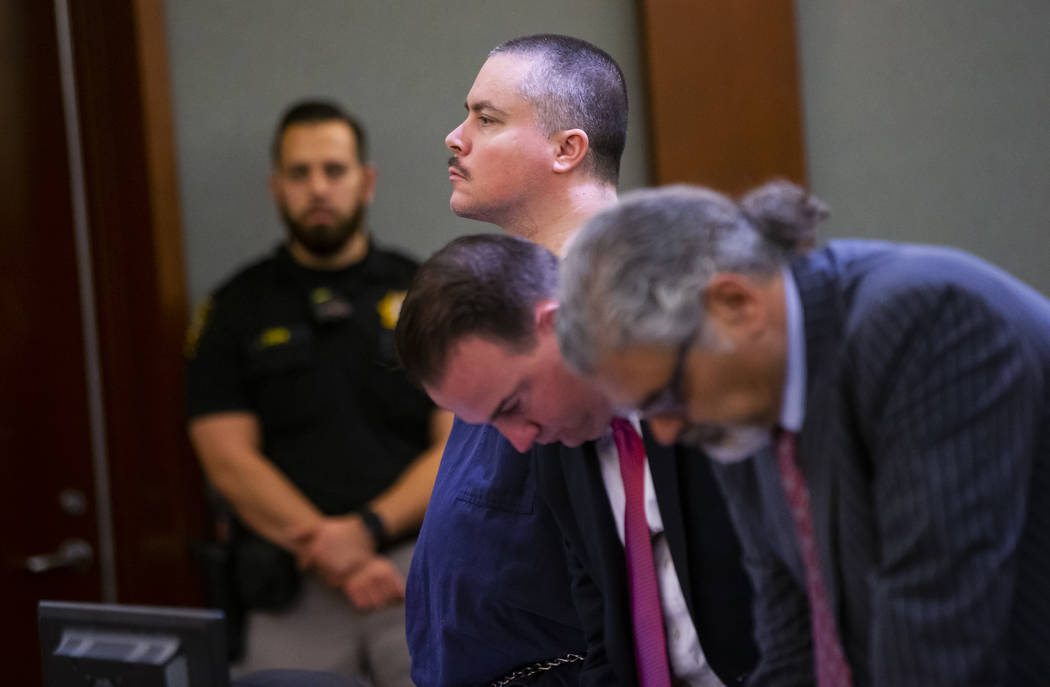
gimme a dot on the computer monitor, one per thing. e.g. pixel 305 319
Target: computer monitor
pixel 119 644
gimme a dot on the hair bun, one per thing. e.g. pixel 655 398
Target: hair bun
pixel 785 214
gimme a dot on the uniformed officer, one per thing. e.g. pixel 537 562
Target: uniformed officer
pixel 303 423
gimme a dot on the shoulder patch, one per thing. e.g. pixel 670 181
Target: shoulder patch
pixel 274 336
pixel 389 308
pixel 197 325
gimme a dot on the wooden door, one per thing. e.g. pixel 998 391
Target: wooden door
pixel 47 490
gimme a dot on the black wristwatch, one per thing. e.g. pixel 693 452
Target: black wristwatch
pixel 374 525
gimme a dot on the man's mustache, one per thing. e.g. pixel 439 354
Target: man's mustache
pixel 458 166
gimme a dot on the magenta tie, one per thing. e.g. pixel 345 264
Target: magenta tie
pixel 831 666
pixel 650 649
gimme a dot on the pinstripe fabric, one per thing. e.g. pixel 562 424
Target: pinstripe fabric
pixel 925 449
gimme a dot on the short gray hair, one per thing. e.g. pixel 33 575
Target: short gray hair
pixel 635 273
pixel 574 84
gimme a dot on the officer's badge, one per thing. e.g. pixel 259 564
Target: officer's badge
pixel 274 336
pixel 389 308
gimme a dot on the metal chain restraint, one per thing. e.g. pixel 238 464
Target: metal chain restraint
pixel 536 668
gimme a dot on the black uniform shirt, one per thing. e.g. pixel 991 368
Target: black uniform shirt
pixel 311 354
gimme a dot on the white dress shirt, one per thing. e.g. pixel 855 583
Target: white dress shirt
pixel 688 662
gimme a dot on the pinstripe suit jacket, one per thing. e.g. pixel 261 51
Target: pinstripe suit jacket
pixel 925 447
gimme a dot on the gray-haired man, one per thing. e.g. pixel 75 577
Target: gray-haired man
pixel 900 531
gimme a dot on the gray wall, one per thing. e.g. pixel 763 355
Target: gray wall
pixel 403 66
pixel 929 120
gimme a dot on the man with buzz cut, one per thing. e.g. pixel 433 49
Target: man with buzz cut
pixel 537 154
pixel 489 593
pixel 322 448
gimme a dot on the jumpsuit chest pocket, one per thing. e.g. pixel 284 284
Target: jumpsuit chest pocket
pixel 507 485
pixel 281 367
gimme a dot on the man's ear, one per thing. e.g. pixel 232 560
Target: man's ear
pixel 734 303
pixel 544 314
pixel 571 147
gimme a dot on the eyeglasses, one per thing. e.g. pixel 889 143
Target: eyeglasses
pixel 670 398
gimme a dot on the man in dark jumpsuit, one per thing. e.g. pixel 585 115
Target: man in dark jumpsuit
pixel 303 424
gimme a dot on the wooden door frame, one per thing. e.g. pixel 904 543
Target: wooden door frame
pixel 123 96
pixel 722 92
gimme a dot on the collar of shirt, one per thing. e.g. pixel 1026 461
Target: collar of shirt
pixel 793 405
